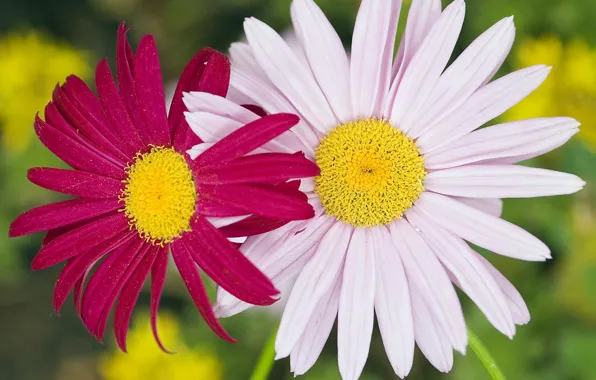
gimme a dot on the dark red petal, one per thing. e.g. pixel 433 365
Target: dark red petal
pixel 75 182
pixel 226 265
pixel 130 294
pixel 150 92
pixel 56 120
pixel 258 168
pixel 56 232
pixel 115 110
pixel 76 267
pixel 265 201
pixel 71 111
pixel 80 240
pixel 246 139
pixel 191 277
pixel 76 153
pixel 255 109
pixel 102 289
pixel 61 214
pixel 208 71
pixel 253 225
pixel 88 105
pixel 208 206
pixel 158 278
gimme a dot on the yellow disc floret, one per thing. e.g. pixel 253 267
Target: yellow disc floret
pixel 370 173
pixel 159 195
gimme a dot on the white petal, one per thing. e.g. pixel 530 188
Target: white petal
pixel 225 221
pixel 288 74
pixel 482 229
pixel 273 102
pixel 488 205
pixel 427 65
pixel 469 71
pixel 484 105
pixel 204 101
pixel 372 53
pixel 211 127
pixel 469 273
pixel 422 16
pixel 356 305
pixel 426 273
pixel 242 59
pixel 505 143
pixel 198 149
pixel 501 181
pixel 519 309
pixel 392 303
pixel 309 347
pixel 430 336
pixel 326 55
pixel 316 279
pixel 280 254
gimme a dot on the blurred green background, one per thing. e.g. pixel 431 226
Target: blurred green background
pixel 41 42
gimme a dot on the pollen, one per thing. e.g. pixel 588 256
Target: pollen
pixel 371 173
pixel 159 195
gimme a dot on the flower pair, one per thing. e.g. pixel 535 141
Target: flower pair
pixel 404 178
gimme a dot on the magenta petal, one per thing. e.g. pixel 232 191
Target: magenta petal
pixel 191 277
pixel 103 287
pixel 130 294
pixel 150 92
pixel 246 139
pixel 76 267
pixel 208 206
pixel 75 182
pixel 253 225
pixel 258 168
pixel 61 214
pixel 115 110
pixel 208 71
pixel 71 111
pixel 76 154
pixel 158 278
pixel 268 202
pixel 80 240
pixel 226 265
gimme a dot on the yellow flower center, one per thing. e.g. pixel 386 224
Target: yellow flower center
pixel 371 173
pixel 159 195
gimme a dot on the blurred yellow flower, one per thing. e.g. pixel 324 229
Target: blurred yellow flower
pixel 30 66
pixel 570 89
pixel 145 360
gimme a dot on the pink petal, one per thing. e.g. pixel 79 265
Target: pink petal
pixel 288 74
pixel 150 92
pixel 392 303
pixel 129 295
pixel 373 42
pixel 482 229
pixel 326 55
pixel 208 71
pixel 355 318
pixel 484 105
pixel 315 280
pixel 488 205
pixel 505 143
pixel 158 278
pixel 247 139
pixel 192 279
pixel 427 275
pixel 75 182
pixel 115 110
pixel 79 240
pixel 61 214
pixel 426 66
pixel 470 70
pixel 469 273
pixel 77 153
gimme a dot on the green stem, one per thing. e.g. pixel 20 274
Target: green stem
pixel 266 360
pixel 485 358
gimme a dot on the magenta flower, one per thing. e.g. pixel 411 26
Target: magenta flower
pixel 139 197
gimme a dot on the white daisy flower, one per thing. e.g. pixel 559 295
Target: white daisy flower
pixel 406 178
